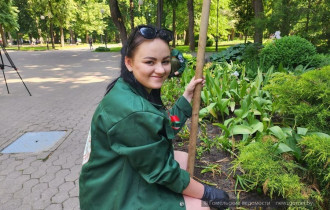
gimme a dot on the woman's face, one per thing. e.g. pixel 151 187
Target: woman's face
pixel 151 63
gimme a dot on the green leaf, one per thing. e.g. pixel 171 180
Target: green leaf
pixel 223 127
pixel 207 110
pixel 226 123
pixel 282 148
pixel 232 106
pixel 241 129
pixel 319 134
pixel 302 131
pixel 277 131
pixel 259 126
pixel 256 112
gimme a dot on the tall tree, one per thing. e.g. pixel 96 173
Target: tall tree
pixel 28 23
pixel 64 11
pixel 283 15
pixel 118 20
pixel 160 7
pixel 50 4
pixel 190 5
pixel 225 19
pixel 258 9
pixel 8 19
pixel 174 5
pixel 244 16
pixel 131 13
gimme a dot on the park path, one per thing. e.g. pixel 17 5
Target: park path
pixel 66 87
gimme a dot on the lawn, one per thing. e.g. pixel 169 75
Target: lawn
pixel 115 47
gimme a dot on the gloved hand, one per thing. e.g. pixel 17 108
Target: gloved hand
pixel 215 198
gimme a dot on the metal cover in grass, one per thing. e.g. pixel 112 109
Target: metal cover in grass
pixel 34 142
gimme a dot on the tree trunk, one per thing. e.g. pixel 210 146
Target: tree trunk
pixel 285 24
pixel 3 35
pixel 118 20
pixel 72 40
pixel 191 25
pixel 51 24
pixel 10 38
pixel 131 13
pixel 87 37
pixel 307 18
pixel 173 25
pixel 232 34
pixel 160 13
pixel 30 38
pixel 258 9
pixel 62 36
pixel 52 39
pixel 186 39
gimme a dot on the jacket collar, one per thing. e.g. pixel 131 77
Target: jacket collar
pixel 141 92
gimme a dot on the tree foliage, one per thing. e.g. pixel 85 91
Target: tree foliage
pixel 8 15
pixel 83 18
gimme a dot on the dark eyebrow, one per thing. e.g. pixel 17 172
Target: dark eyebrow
pixel 152 58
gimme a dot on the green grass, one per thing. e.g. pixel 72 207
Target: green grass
pixel 117 47
pixel 43 47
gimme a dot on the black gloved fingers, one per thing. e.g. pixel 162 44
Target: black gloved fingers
pixel 216 198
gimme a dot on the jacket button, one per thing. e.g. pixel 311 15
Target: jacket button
pixel 181 203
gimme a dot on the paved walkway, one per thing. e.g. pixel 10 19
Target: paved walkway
pixel 66 87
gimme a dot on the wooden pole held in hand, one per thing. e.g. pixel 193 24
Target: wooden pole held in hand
pixel 197 92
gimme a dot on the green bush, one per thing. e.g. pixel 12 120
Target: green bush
pixel 303 100
pixel 316 153
pixel 263 169
pixel 102 49
pixel 209 41
pixel 291 51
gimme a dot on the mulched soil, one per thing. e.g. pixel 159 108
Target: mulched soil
pixel 223 180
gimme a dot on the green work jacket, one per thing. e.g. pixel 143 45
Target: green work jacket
pixel 178 62
pixel 129 159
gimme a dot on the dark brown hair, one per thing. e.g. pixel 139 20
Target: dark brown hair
pixel 135 39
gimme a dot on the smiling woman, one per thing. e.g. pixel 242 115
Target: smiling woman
pixel 150 71
pixel 129 162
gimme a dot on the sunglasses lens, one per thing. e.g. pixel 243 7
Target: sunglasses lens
pixel 147 32
pixel 166 35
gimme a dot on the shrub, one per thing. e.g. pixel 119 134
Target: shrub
pixel 209 41
pixel 291 51
pixel 102 49
pixel 319 60
pixel 303 100
pixel 265 170
pixel 316 153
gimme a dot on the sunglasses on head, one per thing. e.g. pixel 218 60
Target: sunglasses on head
pixel 149 32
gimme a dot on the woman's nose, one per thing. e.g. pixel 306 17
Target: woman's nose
pixel 160 69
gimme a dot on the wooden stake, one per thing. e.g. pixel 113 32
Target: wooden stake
pixel 197 93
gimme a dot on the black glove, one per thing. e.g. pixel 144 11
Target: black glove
pixel 215 198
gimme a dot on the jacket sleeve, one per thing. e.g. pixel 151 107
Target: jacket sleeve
pixel 139 138
pixel 183 110
pixel 182 63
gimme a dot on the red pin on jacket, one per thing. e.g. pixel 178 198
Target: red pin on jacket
pixel 175 122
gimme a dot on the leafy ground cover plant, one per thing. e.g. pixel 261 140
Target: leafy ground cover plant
pixel 237 52
pixel 303 100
